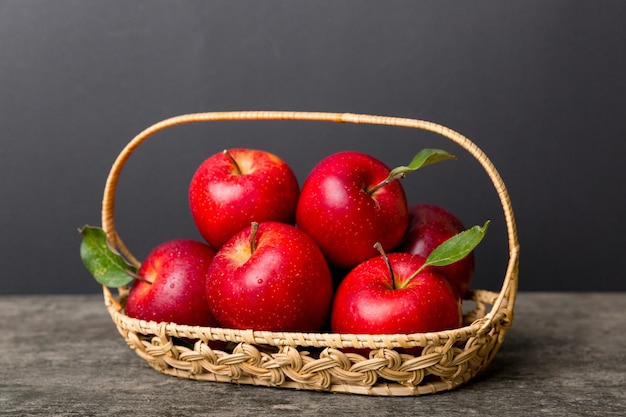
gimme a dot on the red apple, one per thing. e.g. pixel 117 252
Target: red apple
pixel 273 277
pixel 429 226
pixel 171 284
pixel 235 187
pixel 373 300
pixel 346 206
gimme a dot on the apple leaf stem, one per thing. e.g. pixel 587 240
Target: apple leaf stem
pixel 380 249
pixel 386 181
pixel 423 158
pixel 233 161
pixel 455 248
pixel 254 228
pixel 138 277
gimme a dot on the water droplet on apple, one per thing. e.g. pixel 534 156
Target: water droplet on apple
pixel 260 281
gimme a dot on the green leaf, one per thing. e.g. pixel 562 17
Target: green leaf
pixel 457 247
pixel 107 267
pixel 423 158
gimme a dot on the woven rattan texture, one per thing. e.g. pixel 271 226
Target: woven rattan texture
pixel 388 365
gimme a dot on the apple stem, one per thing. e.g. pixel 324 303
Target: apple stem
pixel 137 276
pixel 380 249
pixel 388 180
pixel 234 162
pixel 254 227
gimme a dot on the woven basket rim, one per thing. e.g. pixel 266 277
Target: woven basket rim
pixel 307 339
pixel 502 305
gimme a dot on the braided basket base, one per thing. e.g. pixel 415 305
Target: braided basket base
pixel 320 361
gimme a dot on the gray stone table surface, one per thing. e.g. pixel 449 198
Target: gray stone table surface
pixel 62 356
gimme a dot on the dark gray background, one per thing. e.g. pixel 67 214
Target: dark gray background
pixel 538 85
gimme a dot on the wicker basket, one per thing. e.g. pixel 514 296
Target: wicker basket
pixel 320 361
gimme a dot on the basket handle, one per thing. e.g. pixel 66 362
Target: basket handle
pixel 509 287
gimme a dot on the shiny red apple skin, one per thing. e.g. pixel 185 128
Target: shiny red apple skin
pixel 224 201
pixel 429 226
pixel 285 285
pixel 336 210
pixel 177 272
pixel 367 302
